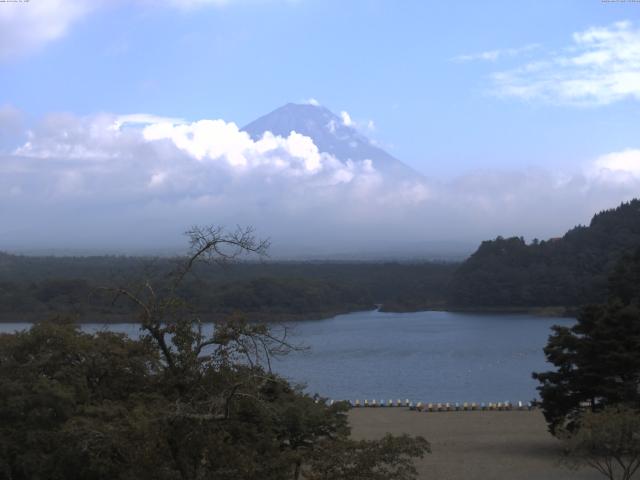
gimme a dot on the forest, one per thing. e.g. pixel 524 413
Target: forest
pixel 569 271
pixel 505 273
pixel 31 287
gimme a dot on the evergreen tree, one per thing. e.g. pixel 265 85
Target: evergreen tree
pixel 598 359
pixel 569 271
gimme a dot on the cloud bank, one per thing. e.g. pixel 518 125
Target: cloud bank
pixel 138 181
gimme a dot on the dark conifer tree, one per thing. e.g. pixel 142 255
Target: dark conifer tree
pixel 598 359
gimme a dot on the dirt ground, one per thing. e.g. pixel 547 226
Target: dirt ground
pixel 478 445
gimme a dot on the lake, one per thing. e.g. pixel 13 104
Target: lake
pixel 422 356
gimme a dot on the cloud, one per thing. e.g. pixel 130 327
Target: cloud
pixel 600 67
pixel 119 141
pixel 100 181
pixel 110 177
pixel 361 125
pixel 219 141
pixel 313 101
pixel 346 119
pixel 494 55
pixel 623 166
pixel 25 27
pixel 143 118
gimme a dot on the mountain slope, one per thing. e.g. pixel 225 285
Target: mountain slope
pixel 567 271
pixel 330 134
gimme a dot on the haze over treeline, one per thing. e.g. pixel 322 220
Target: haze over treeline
pixel 133 184
pixel 505 274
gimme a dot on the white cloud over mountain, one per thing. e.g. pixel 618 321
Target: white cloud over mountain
pixel 120 145
pixel 108 180
pixel 599 67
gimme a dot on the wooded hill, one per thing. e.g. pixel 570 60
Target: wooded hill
pixel 568 271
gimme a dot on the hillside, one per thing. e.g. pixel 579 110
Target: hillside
pixel 567 271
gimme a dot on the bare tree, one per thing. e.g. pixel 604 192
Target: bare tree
pixel 176 329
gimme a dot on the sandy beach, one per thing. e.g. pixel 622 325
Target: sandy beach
pixel 504 445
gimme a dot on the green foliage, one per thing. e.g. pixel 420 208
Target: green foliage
pixel 79 406
pixel 608 441
pixel 598 359
pixel 60 390
pixel 175 404
pixel 568 271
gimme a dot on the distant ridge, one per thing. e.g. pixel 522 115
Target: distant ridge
pixel 330 135
pixel 569 271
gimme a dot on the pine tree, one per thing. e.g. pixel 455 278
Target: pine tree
pixel 598 359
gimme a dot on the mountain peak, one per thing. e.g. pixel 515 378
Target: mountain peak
pixel 330 133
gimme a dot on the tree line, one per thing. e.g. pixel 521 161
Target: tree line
pixel 33 287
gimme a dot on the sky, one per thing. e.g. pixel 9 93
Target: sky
pixel 520 116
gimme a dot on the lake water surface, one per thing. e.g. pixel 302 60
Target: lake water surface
pixel 423 356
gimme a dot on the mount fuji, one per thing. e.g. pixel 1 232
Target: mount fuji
pixel 331 135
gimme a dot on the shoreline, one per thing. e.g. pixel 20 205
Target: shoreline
pixel 545 311
pixel 265 317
